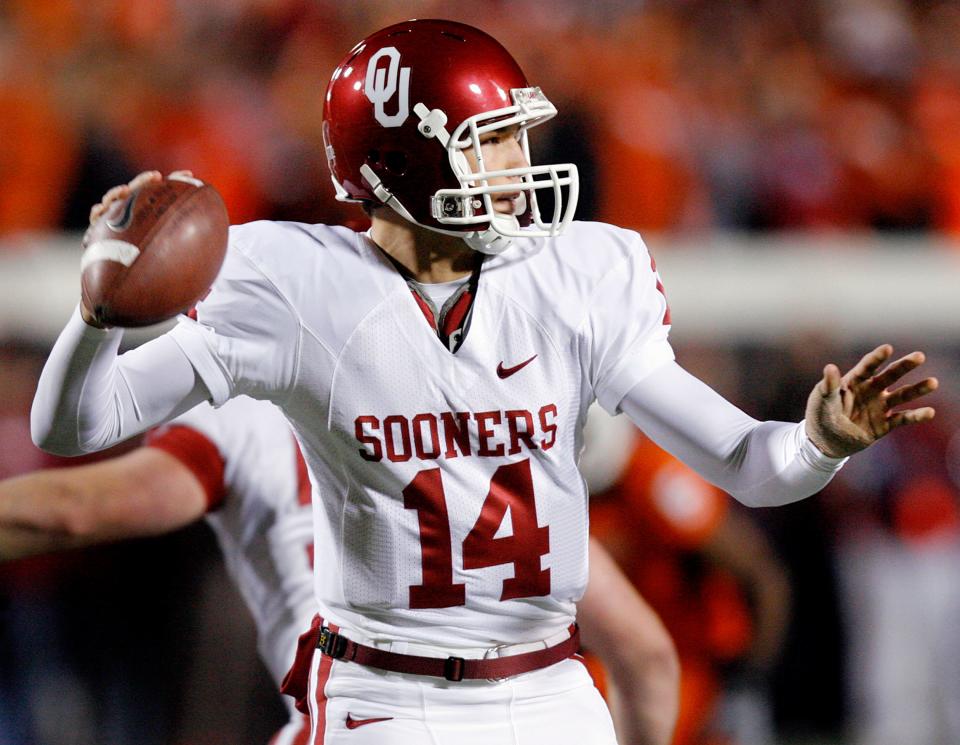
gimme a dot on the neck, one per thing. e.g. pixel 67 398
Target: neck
pixel 429 256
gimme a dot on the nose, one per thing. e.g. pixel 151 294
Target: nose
pixel 515 155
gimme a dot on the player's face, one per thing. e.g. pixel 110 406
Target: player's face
pixel 501 150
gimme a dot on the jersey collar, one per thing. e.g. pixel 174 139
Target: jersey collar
pixel 452 321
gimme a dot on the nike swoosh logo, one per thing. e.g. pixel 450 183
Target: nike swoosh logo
pixel 354 723
pixel 126 215
pixel 506 372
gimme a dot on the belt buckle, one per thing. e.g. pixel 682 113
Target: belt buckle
pixel 494 652
pixel 453 669
pixel 331 643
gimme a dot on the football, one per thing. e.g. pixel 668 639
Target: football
pixel 154 254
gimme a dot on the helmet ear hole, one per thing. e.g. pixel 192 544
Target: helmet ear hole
pixel 396 162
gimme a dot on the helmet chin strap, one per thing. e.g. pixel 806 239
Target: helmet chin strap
pixel 487 241
pixel 491 241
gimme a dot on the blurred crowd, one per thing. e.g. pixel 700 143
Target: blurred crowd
pixel 684 116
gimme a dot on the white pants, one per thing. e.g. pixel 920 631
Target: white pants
pixel 557 705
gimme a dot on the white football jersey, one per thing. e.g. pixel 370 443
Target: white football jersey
pixel 261 518
pixel 448 504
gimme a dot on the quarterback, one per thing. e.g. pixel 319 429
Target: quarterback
pixel 437 371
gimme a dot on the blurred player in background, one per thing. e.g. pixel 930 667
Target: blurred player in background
pixel 892 519
pixel 896 523
pixel 708 571
pixel 437 371
pixel 637 651
pixel 239 468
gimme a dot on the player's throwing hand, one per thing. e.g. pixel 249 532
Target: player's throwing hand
pixel 847 414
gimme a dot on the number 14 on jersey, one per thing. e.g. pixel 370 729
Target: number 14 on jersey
pixel 510 487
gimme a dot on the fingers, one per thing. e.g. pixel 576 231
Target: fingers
pixel 912 392
pixel 869 364
pixel 122 192
pixel 145 178
pixel 896 370
pixel 914 416
pixel 831 380
pixel 117 192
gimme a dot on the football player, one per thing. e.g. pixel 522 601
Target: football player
pixel 239 468
pixel 437 370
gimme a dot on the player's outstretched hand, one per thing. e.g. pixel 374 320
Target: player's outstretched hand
pixel 847 414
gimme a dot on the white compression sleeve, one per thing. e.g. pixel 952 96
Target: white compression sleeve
pixel 761 464
pixel 89 398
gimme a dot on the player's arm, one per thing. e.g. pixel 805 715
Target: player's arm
pixel 772 463
pixel 88 398
pixel 637 651
pixel 740 547
pixel 145 492
pixel 760 463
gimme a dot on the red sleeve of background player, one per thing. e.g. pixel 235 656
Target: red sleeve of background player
pixel 197 453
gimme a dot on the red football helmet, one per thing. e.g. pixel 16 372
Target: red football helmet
pixel 404 105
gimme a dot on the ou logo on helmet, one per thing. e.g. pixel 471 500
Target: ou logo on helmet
pixel 383 83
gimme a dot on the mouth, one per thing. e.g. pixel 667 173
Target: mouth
pixel 507 201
